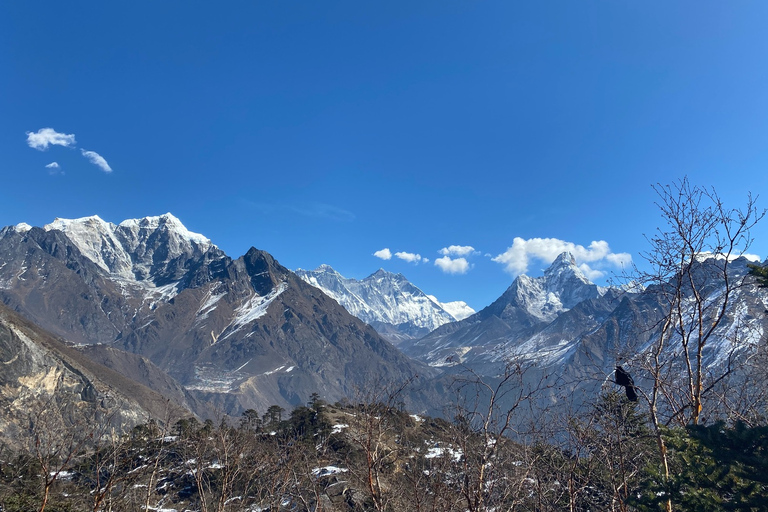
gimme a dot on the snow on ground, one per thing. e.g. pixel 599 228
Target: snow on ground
pixel 275 370
pixel 328 470
pixel 439 451
pixel 338 428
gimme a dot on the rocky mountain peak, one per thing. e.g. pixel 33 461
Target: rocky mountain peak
pixel 389 302
pixel 166 223
pixel 562 286
pixel 564 279
pixel 148 249
pixel 21 227
pixel 264 271
pixel 564 260
pixel 381 274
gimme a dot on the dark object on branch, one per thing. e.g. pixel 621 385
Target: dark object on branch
pixel 625 379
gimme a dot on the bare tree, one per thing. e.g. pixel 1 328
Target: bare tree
pixel 690 276
pixel 371 431
pixel 55 444
pixel 486 413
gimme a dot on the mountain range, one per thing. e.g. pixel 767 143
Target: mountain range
pixel 390 303
pixel 235 333
pixel 169 313
pixel 527 307
pixel 570 334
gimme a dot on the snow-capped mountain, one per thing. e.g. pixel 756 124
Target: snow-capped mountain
pixel 570 333
pixel 458 309
pixel 239 333
pixel 526 307
pixel 150 249
pixel 396 308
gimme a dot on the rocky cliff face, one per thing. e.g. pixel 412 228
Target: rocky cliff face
pixel 243 333
pixel 44 382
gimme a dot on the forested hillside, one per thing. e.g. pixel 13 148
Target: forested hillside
pixel 374 456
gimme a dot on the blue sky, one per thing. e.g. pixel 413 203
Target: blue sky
pixel 325 132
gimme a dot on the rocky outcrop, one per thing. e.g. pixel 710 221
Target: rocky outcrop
pixel 44 381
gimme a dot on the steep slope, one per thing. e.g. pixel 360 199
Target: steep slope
pixel 524 309
pixel 141 370
pixel 44 380
pixel 569 335
pixel 396 308
pixel 244 333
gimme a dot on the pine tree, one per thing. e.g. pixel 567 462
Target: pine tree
pixel 715 468
pixel 761 274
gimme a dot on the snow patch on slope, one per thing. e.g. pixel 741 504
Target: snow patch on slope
pixel 253 308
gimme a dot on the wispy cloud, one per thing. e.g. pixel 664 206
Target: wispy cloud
pixel 521 253
pixel 325 211
pixel 97 160
pixel 54 168
pixel 312 209
pixel 457 250
pixel 45 137
pixel 409 257
pixel 453 265
pixel 384 254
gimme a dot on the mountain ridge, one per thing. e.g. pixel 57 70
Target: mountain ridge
pixel 236 333
pixel 398 309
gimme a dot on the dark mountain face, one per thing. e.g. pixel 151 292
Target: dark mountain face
pixel 239 334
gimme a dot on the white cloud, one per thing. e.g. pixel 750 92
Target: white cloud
pixel 54 168
pixel 620 259
pixel 48 136
pixel 590 273
pixel 409 257
pixel 97 160
pixel 519 255
pixel 457 250
pixel 453 266
pixel 384 254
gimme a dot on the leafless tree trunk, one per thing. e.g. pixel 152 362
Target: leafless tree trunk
pixel 698 227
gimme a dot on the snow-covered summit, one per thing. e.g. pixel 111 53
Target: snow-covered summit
pixel 22 227
pixel 458 309
pixel 389 302
pixel 562 286
pixel 136 249
pixel 167 221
